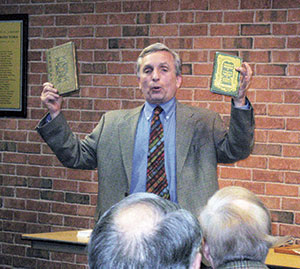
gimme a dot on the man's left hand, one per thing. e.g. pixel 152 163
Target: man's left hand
pixel 245 78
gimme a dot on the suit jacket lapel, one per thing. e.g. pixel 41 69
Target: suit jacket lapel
pixel 184 133
pixel 127 130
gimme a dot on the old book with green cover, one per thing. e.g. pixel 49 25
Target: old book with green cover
pixel 61 68
pixel 225 79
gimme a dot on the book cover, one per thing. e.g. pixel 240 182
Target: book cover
pixel 225 79
pixel 61 68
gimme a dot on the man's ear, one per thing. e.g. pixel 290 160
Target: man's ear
pixel 178 81
pixel 197 261
pixel 206 254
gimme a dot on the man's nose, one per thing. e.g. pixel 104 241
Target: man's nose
pixel 155 75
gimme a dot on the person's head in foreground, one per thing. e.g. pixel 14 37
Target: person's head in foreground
pixel 236 229
pixel 145 231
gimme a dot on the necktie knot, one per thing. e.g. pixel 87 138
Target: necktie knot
pixel 158 110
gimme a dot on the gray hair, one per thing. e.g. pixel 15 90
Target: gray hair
pixel 171 240
pixel 237 225
pixel 158 47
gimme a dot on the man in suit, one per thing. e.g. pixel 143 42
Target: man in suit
pixel 237 230
pixel 195 139
pixel 145 231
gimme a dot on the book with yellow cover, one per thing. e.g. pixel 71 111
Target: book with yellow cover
pixel 225 79
pixel 61 68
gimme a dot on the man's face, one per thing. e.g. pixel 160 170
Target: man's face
pixel 158 80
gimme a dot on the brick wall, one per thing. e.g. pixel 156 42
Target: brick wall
pixel 39 195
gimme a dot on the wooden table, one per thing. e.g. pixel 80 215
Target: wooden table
pixel 76 242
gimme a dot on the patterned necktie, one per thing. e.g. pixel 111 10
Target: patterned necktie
pixel 156 174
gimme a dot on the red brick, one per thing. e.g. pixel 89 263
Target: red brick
pixel 136 6
pixel 208 16
pixel 235 173
pixel 81 32
pixel 291 151
pixel 281 190
pixel 291 204
pixel 266 149
pixel 253 161
pixel 285 56
pixel 289 230
pixel 284 163
pixel 256 4
pixel 191 81
pixel 237 43
pixel 269 123
pixel 256 29
pixel 207 43
pixel 271 16
pixel 294 15
pixel 108 31
pixel 193 5
pixel 256 187
pixel 91 19
pixel 285 83
pixel 129 81
pixel 81 8
pixel 239 16
pixel 193 30
pixel 107 7
pixel 179 43
pixel 283 137
pixel 183 94
pixel 67 20
pixel 269 43
pixel 271 69
pixel 206 95
pixel 260 136
pixel 149 18
pixel 119 68
pixel 283 110
pixel 77 222
pixel 87 211
pixel 284 29
pixel 106 80
pixel 180 17
pixel 203 69
pixel 293 42
pixel 52 219
pixel 286 4
pixel 120 93
pixel 224 30
pixel 164 5
pixel 65 209
pixel 86 187
pixel 271 202
pixel 223 5
pixel 269 96
pixel 107 105
pixel 294 70
pixel 260 109
pixel 292 177
pixel 164 30
pixel 267 176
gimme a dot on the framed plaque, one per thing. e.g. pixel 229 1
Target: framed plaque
pixel 13 65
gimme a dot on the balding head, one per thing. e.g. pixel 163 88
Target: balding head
pixel 144 231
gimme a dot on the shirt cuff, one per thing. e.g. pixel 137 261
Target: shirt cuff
pixel 48 118
pixel 244 107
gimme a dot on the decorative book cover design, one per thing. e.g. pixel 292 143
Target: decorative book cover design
pixel 225 79
pixel 61 67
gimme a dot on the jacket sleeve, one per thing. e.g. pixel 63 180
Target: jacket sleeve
pixel 236 143
pixel 69 149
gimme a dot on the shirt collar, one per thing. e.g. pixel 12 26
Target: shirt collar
pixel 168 107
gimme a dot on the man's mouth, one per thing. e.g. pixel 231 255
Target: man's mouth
pixel 155 88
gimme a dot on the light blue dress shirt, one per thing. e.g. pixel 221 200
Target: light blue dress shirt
pixel 139 164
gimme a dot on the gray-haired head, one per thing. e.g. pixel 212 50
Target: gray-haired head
pixel 155 48
pixel 144 231
pixel 237 225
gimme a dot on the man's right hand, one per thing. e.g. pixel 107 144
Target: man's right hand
pixel 51 99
